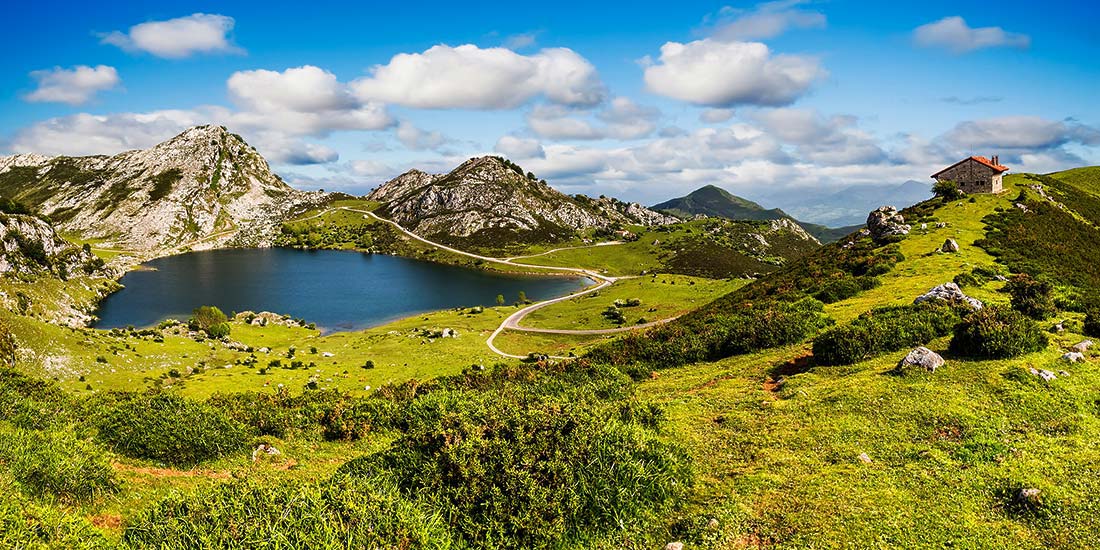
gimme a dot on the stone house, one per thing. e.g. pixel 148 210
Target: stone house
pixel 975 175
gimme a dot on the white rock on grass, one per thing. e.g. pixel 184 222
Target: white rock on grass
pixel 922 357
pixel 950 246
pixel 1073 357
pixel 949 292
pixel 1082 346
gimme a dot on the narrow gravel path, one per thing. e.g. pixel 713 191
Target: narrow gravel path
pixel 512 321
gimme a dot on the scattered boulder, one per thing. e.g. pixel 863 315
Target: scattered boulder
pixel 922 357
pixel 674 546
pixel 949 292
pixel 1046 375
pixel 885 224
pixel 1028 498
pixel 950 246
pixel 449 333
pixel 1082 346
pixel 941 225
pixel 864 458
pixel 1073 357
pixel 328 354
pixel 264 451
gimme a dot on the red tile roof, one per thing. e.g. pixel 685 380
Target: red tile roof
pixel 983 160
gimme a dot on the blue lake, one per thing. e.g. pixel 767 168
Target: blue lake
pixel 338 290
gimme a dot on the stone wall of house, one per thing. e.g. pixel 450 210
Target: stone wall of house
pixel 973 177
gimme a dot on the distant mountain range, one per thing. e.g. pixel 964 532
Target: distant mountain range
pixel 850 205
pixel 716 202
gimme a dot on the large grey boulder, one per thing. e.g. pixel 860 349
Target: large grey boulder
pixel 1082 346
pixel 949 292
pixel 922 357
pixel 950 245
pixel 885 224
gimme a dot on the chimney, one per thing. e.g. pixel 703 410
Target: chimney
pixel 996 160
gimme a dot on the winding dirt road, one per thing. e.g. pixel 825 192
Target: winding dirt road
pixel 512 321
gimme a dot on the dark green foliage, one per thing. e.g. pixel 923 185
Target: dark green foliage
pixel 315 414
pixel 707 335
pixel 28 525
pixel 1046 242
pixel 844 288
pixel 210 319
pixel 169 429
pixel 56 464
pixel 947 190
pixel 883 330
pixel 1092 322
pixel 1032 297
pixel 8 206
pixel 32 403
pixel 163 183
pixel 997 333
pixel 524 468
pixel 966 280
pixel 343 513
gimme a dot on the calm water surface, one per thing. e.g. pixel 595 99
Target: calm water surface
pixel 338 290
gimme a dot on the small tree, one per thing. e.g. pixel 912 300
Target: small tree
pixel 523 297
pixel 1032 297
pixel 211 320
pixel 500 299
pixel 947 189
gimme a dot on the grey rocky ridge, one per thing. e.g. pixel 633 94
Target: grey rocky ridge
pixel 487 198
pixel 204 188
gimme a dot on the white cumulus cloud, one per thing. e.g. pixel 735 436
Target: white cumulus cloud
pixel 953 33
pixel 72 86
pixel 469 77
pixel 178 38
pixel 519 148
pixel 766 20
pixel 713 73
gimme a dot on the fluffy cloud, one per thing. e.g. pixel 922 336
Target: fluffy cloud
pixel 766 20
pixel 1020 134
pixel 620 119
pixel 417 139
pixel 87 134
pixel 73 86
pixel 305 100
pixel 178 38
pixel 715 116
pixel 469 77
pixel 713 73
pixel 954 34
pixel 519 148
pixel 833 141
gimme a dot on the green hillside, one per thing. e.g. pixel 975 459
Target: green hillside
pixel 770 414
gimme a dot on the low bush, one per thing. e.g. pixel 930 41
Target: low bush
pixel 342 513
pixel 30 525
pixel 56 464
pixel 1032 297
pixel 520 468
pixel 883 330
pixel 169 429
pixel 847 287
pixel 31 403
pixel 1092 322
pixel 997 333
pixel 709 335
pixel 211 320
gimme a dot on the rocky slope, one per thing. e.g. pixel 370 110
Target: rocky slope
pixel 29 245
pixel 204 188
pixel 489 198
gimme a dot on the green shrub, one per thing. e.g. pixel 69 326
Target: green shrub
pixel 996 333
pixel 947 190
pixel 1032 297
pixel 31 403
pixel 30 525
pixel 1092 322
pixel 206 317
pixel 519 468
pixel 966 280
pixel 326 414
pixel 57 464
pixel 883 330
pixel 844 288
pixel 169 429
pixel 343 513
pixel 219 330
pixel 708 335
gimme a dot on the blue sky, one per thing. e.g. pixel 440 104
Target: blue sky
pixel 639 100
